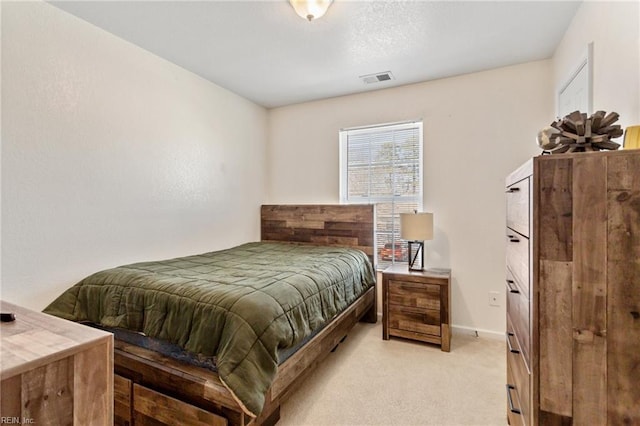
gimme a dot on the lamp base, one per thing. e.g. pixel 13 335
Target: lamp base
pixel 419 250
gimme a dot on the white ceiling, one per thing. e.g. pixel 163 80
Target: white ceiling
pixel 265 52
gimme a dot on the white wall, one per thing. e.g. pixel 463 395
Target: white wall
pixel 477 129
pixel 112 155
pixel 614 29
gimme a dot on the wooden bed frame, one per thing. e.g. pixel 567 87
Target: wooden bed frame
pixel 151 389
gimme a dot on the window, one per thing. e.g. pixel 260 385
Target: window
pixel 383 165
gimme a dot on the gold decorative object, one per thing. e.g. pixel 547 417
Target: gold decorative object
pixel 632 137
pixel 578 133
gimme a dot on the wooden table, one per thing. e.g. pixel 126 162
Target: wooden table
pixel 53 371
pixel 416 305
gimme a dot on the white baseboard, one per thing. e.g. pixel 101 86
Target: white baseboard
pixel 486 334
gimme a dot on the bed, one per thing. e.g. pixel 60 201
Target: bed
pixel 278 324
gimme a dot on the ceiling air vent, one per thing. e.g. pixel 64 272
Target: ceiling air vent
pixel 377 77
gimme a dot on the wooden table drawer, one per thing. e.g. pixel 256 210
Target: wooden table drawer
pixel 518 259
pixel 425 321
pixel 415 295
pixel 518 207
pixel 520 380
pixel 518 319
pixel 151 407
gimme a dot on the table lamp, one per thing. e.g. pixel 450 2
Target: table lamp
pixel 416 228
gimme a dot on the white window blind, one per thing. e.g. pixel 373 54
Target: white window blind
pixel 383 165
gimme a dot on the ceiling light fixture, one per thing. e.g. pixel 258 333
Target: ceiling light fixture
pixel 310 9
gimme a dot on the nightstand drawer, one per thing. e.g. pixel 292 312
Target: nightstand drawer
pixel 415 295
pixel 425 321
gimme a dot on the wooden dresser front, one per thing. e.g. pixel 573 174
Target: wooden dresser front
pixel 518 289
pixel 53 371
pixel 573 290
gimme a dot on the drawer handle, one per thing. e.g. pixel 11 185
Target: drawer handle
pixel 511 407
pixel 512 289
pixel 511 349
pixel 514 189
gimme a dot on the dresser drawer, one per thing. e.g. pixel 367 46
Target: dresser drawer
pixel 520 377
pixel 518 318
pixel 514 285
pixel 518 207
pixel 425 321
pixel 518 259
pixel 514 412
pixel 415 295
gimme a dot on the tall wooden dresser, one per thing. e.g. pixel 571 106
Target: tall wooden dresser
pixel 573 286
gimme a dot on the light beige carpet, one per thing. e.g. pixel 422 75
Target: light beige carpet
pixel 369 381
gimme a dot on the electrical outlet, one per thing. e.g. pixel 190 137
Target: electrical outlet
pixel 494 298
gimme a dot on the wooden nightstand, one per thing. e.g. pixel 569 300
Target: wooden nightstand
pixel 54 371
pixel 416 305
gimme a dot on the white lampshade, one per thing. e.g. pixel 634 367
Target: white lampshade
pixel 416 226
pixel 310 9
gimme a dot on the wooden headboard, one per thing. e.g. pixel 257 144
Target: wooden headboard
pixel 345 225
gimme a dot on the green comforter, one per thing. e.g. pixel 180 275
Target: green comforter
pixel 241 305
